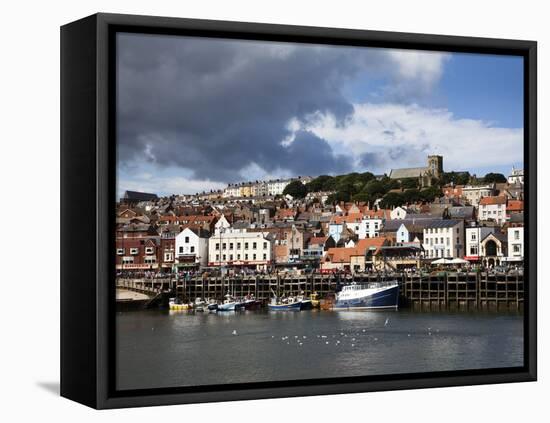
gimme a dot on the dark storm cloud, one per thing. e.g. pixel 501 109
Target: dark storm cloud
pixel 217 106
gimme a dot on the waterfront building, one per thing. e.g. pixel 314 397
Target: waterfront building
pixel 363 256
pixel 134 254
pixel 410 233
pixel 494 249
pixel 443 238
pixel 515 244
pixel 492 209
pixel 191 248
pixel 241 249
pixel 474 234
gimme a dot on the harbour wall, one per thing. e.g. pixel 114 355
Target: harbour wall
pixel 436 290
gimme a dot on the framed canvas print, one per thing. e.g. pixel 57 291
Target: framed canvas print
pixel 254 211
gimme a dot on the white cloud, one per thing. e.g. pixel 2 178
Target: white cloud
pixel 425 67
pixel 396 135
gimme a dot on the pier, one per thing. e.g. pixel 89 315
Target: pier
pixel 436 290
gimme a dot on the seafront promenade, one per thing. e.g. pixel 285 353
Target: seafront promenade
pixel 452 290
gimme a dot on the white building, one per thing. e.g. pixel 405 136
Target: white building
pixel 474 193
pixel 492 209
pixel 443 238
pixel 473 237
pixel 240 248
pixel 277 186
pixel 222 224
pixel 409 234
pixel 515 244
pixel 192 248
pixel 516 177
pixel 232 191
pixel 369 227
pixel 398 213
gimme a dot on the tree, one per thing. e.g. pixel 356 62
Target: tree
pixel 409 183
pixel 391 200
pixel 375 189
pixel 430 194
pixel 321 183
pixel 411 196
pixel 494 177
pixel 296 189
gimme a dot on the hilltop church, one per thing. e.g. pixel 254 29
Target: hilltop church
pixel 424 174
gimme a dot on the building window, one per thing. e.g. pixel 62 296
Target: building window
pixel 133 250
pixel 217 245
pixel 517 248
pixel 181 250
pixel 246 245
pixel 254 245
pixel 120 251
pixel 265 245
pixel 224 246
pixel 238 245
pixel 448 253
pixel 473 236
pixel 238 256
pixel 187 240
pixel 167 256
pixel 192 248
pixel 217 257
pixel 231 257
pixel 265 256
pixel 224 257
pixel 448 242
pixel 253 256
pixel 230 245
pixel 148 250
pixel 246 256
pixel 473 250
pixel 516 235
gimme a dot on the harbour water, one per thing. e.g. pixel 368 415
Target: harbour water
pixel 158 348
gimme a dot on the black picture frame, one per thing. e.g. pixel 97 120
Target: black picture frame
pixel 88 196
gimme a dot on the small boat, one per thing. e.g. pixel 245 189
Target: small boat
pixel 213 306
pixel 307 304
pixel 368 296
pixel 176 304
pixel 229 304
pixel 285 304
pixel 200 304
pixel 250 303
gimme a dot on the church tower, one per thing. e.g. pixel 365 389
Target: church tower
pixel 435 165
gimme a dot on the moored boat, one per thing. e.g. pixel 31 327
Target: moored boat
pixel 285 304
pixel 175 304
pixel 368 296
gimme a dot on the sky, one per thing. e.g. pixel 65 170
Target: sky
pixel 195 114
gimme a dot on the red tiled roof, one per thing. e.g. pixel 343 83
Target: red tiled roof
pixel 514 205
pixel 343 255
pixel 487 201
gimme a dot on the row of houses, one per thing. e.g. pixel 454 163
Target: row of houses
pixel 261 188
pixel 351 237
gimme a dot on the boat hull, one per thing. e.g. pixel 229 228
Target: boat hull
pixel 297 306
pixel 386 298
